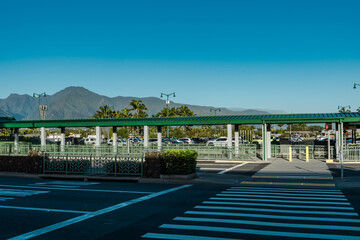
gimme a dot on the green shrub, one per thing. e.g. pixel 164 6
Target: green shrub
pixel 180 161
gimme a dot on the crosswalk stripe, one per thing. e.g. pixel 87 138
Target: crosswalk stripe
pixel 182 237
pixel 258 232
pixel 279 205
pixel 269 224
pixel 280 197
pixel 285 194
pixel 276 200
pixel 276 210
pixel 300 190
pixel 275 216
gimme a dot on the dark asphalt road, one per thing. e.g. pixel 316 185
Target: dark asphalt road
pixel 52 209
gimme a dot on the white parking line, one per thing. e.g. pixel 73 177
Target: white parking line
pixel 84 217
pixel 229 169
pixel 79 190
pixel 182 237
pixel 43 209
pixel 280 201
pixel 255 195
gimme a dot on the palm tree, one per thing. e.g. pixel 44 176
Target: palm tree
pixel 104 112
pixel 139 108
pixel 165 112
pixel 125 113
pixel 184 111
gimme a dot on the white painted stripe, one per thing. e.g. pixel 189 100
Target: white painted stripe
pixel 269 224
pixel 285 194
pixel 78 190
pixel 281 197
pixel 20 193
pixel 182 237
pixel 312 190
pixel 348 220
pixel 60 186
pixel 43 209
pixel 81 218
pixel 259 232
pixel 3 199
pixel 232 168
pixel 277 210
pixel 76 183
pixel 279 205
pixel 282 201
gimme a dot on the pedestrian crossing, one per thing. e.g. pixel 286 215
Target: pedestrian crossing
pixel 243 212
pixel 8 194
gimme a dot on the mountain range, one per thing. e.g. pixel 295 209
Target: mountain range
pixel 80 103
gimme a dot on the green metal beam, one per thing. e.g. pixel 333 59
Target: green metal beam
pixel 181 121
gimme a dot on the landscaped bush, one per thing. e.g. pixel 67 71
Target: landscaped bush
pixel 180 162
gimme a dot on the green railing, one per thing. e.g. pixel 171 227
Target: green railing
pixel 118 164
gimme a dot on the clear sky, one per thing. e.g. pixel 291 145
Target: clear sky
pixel 297 56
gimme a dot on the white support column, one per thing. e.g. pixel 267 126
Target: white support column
pixel 229 140
pixel 43 138
pixel 236 141
pixel 264 143
pixel 62 140
pixel 98 140
pixel 159 138
pixel 16 140
pixel 146 138
pixel 268 140
pixel 341 141
pixel 337 143
pixel 115 143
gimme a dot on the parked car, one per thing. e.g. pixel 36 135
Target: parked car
pixel 187 140
pixel 219 142
pixel 90 141
pixel 119 141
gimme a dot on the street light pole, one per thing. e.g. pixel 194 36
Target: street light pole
pixel 39 95
pixel 215 110
pixel 167 106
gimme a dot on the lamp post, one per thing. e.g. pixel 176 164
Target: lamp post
pixel 167 106
pixel 39 95
pixel 215 110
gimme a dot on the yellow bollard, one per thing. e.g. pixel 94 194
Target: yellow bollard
pixel 307 153
pixel 290 154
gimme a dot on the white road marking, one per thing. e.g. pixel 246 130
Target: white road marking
pixel 285 194
pixel 349 220
pixel 76 183
pixel 278 205
pixel 255 195
pixel 19 193
pixel 270 224
pixel 79 190
pixel 258 232
pixel 3 199
pixel 276 201
pixel 277 210
pixel 43 209
pixel 81 218
pixel 182 237
pixel 229 169
pixel 300 190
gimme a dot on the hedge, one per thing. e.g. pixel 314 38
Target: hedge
pixel 180 162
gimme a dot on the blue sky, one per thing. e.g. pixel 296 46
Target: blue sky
pixel 295 56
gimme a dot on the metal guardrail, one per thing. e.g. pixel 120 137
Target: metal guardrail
pixel 119 164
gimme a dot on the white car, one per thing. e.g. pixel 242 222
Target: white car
pixel 187 140
pixel 90 141
pixel 219 142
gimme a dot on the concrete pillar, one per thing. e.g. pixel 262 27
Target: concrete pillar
pixel 159 138
pixel 229 140
pixel 268 140
pixel 236 141
pixel 146 138
pixel 98 140
pixel 341 141
pixel 16 140
pixel 337 143
pixel 114 137
pixel 43 138
pixel 62 140
pixel 264 142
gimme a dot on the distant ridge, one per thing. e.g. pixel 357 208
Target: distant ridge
pixel 80 103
